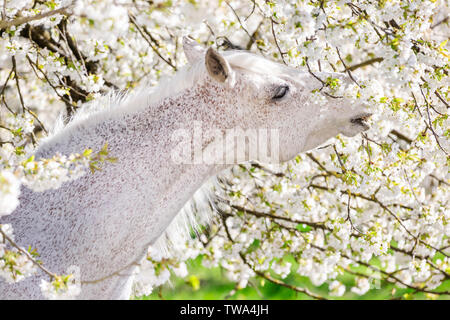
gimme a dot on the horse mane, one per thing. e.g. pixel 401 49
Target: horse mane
pixel 196 213
pixel 118 103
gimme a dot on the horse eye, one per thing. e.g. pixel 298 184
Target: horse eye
pixel 281 92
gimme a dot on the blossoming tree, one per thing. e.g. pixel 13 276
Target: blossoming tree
pixel 373 207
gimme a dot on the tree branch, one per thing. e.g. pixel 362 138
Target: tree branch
pixel 22 20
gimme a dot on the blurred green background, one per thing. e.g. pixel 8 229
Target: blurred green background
pixel 205 284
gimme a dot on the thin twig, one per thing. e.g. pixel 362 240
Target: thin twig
pixel 349 72
pixel 27 254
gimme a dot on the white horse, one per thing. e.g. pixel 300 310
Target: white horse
pixel 104 222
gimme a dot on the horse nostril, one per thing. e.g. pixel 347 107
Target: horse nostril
pixel 361 119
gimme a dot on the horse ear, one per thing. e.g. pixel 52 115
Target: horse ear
pixel 192 49
pixel 218 68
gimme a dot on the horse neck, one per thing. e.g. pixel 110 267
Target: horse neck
pixel 156 186
pixel 147 169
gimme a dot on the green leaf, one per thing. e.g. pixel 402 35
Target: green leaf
pixel 255 245
pixel 303 227
pixel 194 282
